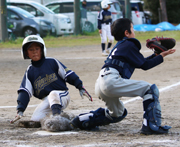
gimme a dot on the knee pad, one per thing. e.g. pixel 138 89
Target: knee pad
pixel 154 91
pixel 153 112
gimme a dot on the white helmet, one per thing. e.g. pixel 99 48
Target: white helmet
pixel 27 42
pixel 105 3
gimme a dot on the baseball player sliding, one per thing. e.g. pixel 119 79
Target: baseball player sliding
pixel 45 79
pixel 104 26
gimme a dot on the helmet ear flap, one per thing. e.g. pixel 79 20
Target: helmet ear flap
pixel 24 50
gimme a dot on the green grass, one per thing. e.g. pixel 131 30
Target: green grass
pixel 143 36
pixel 87 39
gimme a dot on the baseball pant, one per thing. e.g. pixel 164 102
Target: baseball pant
pixel 110 87
pixel 106 33
pixel 44 108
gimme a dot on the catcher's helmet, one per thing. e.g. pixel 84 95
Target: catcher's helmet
pixel 105 3
pixel 28 41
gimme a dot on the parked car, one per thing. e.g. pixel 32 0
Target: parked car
pixel 62 22
pixel 93 8
pixel 22 23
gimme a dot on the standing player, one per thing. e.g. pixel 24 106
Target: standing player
pixel 104 26
pixel 114 82
pixel 45 79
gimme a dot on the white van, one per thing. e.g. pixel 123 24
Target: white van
pixel 61 22
pixel 93 8
pixel 137 12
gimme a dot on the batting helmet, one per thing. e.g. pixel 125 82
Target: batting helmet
pixel 105 3
pixel 28 41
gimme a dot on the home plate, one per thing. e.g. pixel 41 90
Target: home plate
pixel 43 133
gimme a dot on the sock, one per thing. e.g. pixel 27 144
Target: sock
pixel 103 46
pixel 56 109
pixel 109 45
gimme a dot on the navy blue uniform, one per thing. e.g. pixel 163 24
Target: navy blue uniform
pixel 114 78
pixel 104 17
pixel 128 54
pixel 42 77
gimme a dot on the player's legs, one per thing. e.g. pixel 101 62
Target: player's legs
pixel 110 87
pixel 103 36
pixel 58 101
pixel 110 37
pixel 56 98
pixel 41 111
pixel 115 105
pixel 152 114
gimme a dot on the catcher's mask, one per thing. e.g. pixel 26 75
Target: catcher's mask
pixel 27 42
pixel 105 3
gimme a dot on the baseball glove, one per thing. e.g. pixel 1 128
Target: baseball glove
pixel 160 44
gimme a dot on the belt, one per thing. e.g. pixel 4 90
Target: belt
pixel 106 23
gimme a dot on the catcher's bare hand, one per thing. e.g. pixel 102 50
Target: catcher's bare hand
pixel 18 116
pixel 165 53
pixel 83 93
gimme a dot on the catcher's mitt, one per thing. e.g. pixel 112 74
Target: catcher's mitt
pixel 160 44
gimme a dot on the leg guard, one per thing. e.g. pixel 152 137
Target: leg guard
pixel 100 117
pixel 153 116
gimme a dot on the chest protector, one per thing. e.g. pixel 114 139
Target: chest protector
pixel 127 69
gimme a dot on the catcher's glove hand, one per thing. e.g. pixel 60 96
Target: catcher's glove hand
pixel 83 93
pixel 160 44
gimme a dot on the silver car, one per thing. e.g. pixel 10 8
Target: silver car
pixel 93 8
pixel 61 22
pixel 22 23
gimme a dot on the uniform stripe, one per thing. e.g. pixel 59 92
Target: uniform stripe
pixel 63 95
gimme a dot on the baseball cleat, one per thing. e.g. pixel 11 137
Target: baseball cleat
pixel 108 50
pixel 147 131
pixel 104 53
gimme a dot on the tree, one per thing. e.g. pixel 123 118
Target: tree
pixel 172 8
pixel 163 12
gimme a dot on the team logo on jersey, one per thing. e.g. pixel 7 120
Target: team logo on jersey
pixel 32 38
pixel 107 17
pixel 40 82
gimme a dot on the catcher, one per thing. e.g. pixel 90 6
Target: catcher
pixel 45 79
pixel 114 82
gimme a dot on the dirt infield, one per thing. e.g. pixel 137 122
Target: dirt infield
pixel 86 61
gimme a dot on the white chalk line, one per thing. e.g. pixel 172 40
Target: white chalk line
pixel 128 143
pixel 160 90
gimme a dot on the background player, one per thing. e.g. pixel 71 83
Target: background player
pixel 45 79
pixel 104 26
